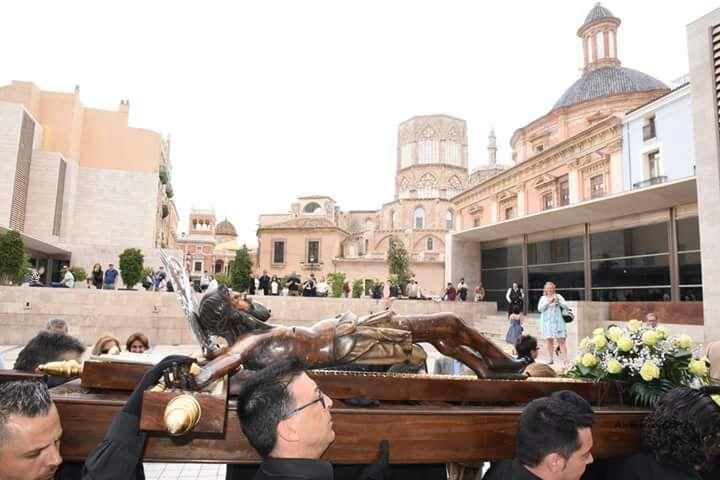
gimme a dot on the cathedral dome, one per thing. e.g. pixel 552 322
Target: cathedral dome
pixel 225 228
pixel 606 82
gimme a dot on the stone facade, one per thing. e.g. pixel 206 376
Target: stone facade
pixel 208 246
pixel 81 179
pixel 572 185
pixel 432 167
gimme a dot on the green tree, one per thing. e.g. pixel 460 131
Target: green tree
pixel 241 269
pixel 131 266
pixel 79 273
pixel 336 280
pixel 399 262
pixel 223 279
pixel 357 288
pixel 13 263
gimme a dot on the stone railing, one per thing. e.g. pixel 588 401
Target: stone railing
pixel 90 313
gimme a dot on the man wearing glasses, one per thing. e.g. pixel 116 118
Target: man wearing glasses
pixel 286 418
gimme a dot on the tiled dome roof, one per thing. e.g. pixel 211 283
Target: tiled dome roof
pixel 606 82
pixel 225 228
pixel 597 12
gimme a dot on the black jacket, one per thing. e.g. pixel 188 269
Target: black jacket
pixel 294 469
pixel 117 457
pixel 644 466
pixel 509 470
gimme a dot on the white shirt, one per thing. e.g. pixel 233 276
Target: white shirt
pixel 212 286
pixel 274 287
pixel 322 287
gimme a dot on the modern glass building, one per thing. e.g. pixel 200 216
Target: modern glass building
pixel 650 262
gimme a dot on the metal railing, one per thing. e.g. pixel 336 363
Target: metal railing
pixel 651 181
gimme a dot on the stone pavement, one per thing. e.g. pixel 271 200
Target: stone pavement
pixel 184 471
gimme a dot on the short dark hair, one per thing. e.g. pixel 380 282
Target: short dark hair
pixel 264 401
pixel 525 345
pixel 550 425
pixel 46 347
pixel 25 398
pixel 137 336
pixel 516 309
pixel 684 428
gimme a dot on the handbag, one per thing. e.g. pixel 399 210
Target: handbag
pixel 567 314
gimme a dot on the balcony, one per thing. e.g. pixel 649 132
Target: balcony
pixel 651 181
pixel 311 266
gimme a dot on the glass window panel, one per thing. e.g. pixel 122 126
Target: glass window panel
pixel 688 234
pixel 690 268
pixel 570 275
pixel 569 295
pixel 556 251
pixel 497 296
pixel 502 257
pixel 501 279
pixel 653 294
pixel 644 271
pixel 691 294
pixel 644 240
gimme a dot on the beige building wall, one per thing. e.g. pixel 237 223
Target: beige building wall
pixel 296 251
pixel 108 142
pixel 114 207
pixel 702 35
pixel 10 122
pixel 42 195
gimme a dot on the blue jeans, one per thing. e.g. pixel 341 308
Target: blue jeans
pixel 59 285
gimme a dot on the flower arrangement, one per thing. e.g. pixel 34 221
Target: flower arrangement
pixel 648 359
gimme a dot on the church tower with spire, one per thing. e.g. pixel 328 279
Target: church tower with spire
pixel 492 148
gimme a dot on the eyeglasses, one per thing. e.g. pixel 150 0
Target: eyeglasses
pixel 321 399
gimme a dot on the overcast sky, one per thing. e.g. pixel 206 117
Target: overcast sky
pixel 266 100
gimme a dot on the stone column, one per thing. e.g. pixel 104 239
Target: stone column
pixel 574 186
pixel 705 126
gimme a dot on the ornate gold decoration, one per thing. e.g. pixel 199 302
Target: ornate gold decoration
pixel 65 368
pixel 182 414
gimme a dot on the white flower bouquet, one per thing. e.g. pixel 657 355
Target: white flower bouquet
pixel 648 359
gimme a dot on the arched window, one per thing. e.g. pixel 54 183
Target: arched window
pixel 449 221
pixel 312 207
pixel 393 219
pixel 429 244
pixel 419 217
pixel 218 266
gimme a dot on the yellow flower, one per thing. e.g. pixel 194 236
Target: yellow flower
pixel 614 333
pixel 584 342
pixel 598 331
pixel 600 341
pixel 649 371
pixel 589 360
pixel 684 341
pixel 650 338
pixel 634 325
pixel 625 344
pixel 698 367
pixel 614 367
pixel 662 332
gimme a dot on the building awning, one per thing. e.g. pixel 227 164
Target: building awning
pixel 38 246
pixel 633 202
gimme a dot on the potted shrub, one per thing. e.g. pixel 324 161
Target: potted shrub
pixel 131 267
pixel 79 274
pixel 336 280
pixel 13 263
